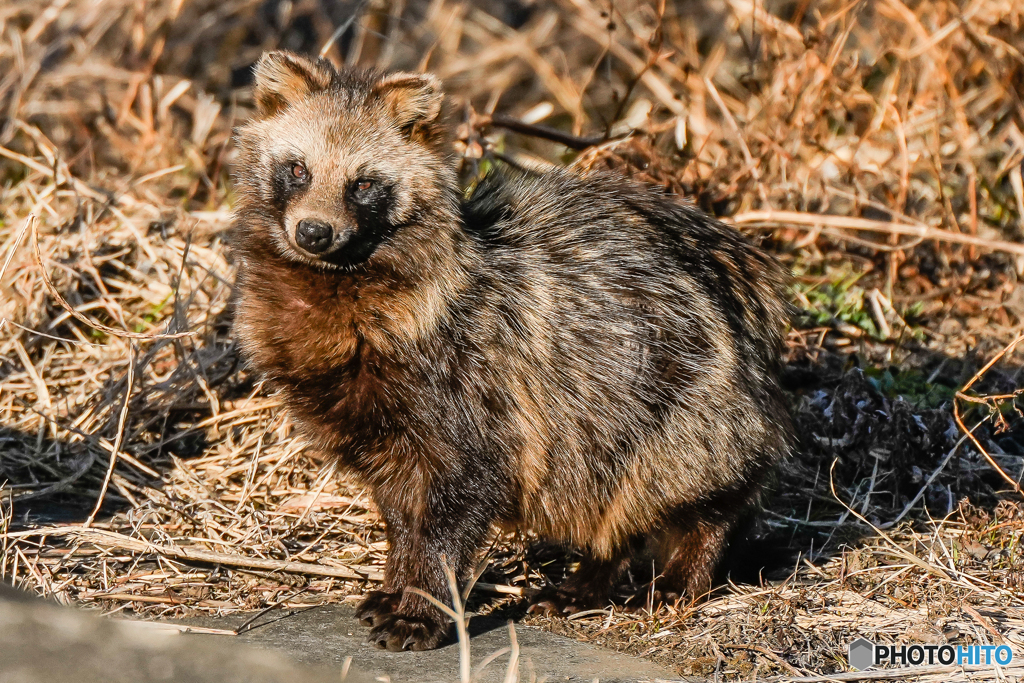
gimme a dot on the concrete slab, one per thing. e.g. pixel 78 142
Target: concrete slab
pixel 325 636
pixel 41 642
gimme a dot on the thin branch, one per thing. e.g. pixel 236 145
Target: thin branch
pixel 115 540
pixel 545 132
pixel 928 482
pixel 962 395
pixel 806 221
pixel 117 439
pixel 896 548
pixel 17 243
pixel 340 31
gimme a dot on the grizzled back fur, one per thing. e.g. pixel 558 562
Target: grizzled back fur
pixel 579 356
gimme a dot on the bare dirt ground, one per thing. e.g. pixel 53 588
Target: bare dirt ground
pixel 876 146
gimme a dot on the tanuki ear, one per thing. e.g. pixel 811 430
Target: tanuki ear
pixel 285 77
pixel 412 98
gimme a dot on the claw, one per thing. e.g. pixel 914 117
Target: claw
pixel 397 632
pixel 376 607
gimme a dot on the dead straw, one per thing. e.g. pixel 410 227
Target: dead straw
pixel 116 155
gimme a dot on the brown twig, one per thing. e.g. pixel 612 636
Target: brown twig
pixel 896 548
pixel 985 623
pixel 17 243
pixel 962 395
pixel 113 539
pixel 751 163
pixel 540 131
pixel 117 439
pixel 128 597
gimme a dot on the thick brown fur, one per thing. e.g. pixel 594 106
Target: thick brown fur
pixel 581 357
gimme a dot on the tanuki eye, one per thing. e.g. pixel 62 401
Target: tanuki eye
pixel 299 171
pixel 363 184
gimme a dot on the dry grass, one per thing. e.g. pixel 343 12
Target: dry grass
pixel 876 145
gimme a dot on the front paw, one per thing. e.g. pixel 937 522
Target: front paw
pixel 397 632
pixel 376 606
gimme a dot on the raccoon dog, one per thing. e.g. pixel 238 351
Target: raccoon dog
pixel 577 356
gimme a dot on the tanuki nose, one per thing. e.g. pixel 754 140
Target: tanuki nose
pixel 314 236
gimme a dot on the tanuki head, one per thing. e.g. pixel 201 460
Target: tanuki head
pixel 336 163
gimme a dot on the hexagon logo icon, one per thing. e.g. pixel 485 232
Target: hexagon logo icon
pixel 861 654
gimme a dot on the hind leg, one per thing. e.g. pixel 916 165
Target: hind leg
pixel 691 563
pixel 589 587
pixel 692 548
pixel 690 557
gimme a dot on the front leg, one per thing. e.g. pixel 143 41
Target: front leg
pixel 378 604
pixel 447 527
